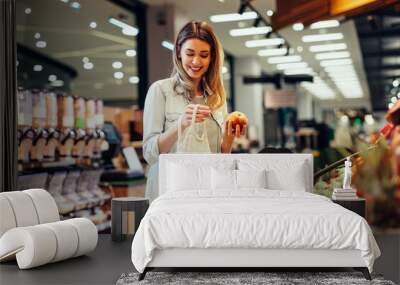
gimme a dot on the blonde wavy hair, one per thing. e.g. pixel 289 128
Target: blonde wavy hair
pixel 211 82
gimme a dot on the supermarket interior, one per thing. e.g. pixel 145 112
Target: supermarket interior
pixel 319 77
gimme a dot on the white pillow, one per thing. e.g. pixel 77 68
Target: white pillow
pixel 223 179
pixel 291 175
pixel 195 174
pixel 182 177
pixel 251 178
pixel 293 181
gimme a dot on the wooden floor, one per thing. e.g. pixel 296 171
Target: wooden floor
pixel 110 259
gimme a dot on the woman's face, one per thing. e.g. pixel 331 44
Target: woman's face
pixel 195 55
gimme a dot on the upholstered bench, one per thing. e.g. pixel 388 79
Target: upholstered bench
pixel 31 230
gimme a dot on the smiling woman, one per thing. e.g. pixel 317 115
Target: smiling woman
pixel 192 98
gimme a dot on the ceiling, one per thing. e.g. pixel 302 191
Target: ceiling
pixel 379 34
pixel 202 10
pixel 69 39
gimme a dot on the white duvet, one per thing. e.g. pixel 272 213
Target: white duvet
pixel 253 218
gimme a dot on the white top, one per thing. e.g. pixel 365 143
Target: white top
pixel 162 109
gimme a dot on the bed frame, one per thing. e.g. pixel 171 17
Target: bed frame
pixel 242 259
pixel 245 258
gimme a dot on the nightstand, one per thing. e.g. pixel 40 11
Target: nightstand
pixel 127 212
pixel 357 206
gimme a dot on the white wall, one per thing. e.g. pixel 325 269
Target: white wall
pixel 249 97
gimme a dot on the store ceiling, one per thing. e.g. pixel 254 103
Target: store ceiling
pixel 69 39
pixel 202 10
pixel 379 34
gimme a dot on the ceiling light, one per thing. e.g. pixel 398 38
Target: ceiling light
pixel 41 44
pixel 167 45
pixel 351 94
pixel 270 13
pixel 299 49
pixel 350 89
pixel 28 11
pixel 396 83
pixel 322 37
pixel 250 31
pixel 118 75
pixel 272 51
pixel 390 105
pixel 37 36
pixel 85 59
pixel 264 42
pixel 52 77
pixel 75 5
pixel 224 70
pixel 37 67
pixel 331 55
pixel 325 24
pixel 284 59
pixel 88 65
pixel 126 29
pixel 93 25
pixel 117 64
pixel 298 27
pixel 341 69
pixel 65 1
pixel 233 17
pixel 340 72
pixel 293 65
pixel 130 52
pixel 57 83
pixel 348 83
pixel 334 62
pixel 344 78
pixel 328 47
pixel 131 31
pixel 307 70
pixel 320 90
pixel 134 80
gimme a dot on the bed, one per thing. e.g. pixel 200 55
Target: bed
pixel 246 211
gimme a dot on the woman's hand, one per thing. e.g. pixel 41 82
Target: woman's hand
pixel 203 113
pixel 230 134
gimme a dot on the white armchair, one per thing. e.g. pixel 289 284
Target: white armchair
pixel 31 230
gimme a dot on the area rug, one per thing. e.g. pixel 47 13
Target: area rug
pixel 242 278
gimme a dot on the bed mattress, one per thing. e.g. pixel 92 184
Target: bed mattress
pixel 250 219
